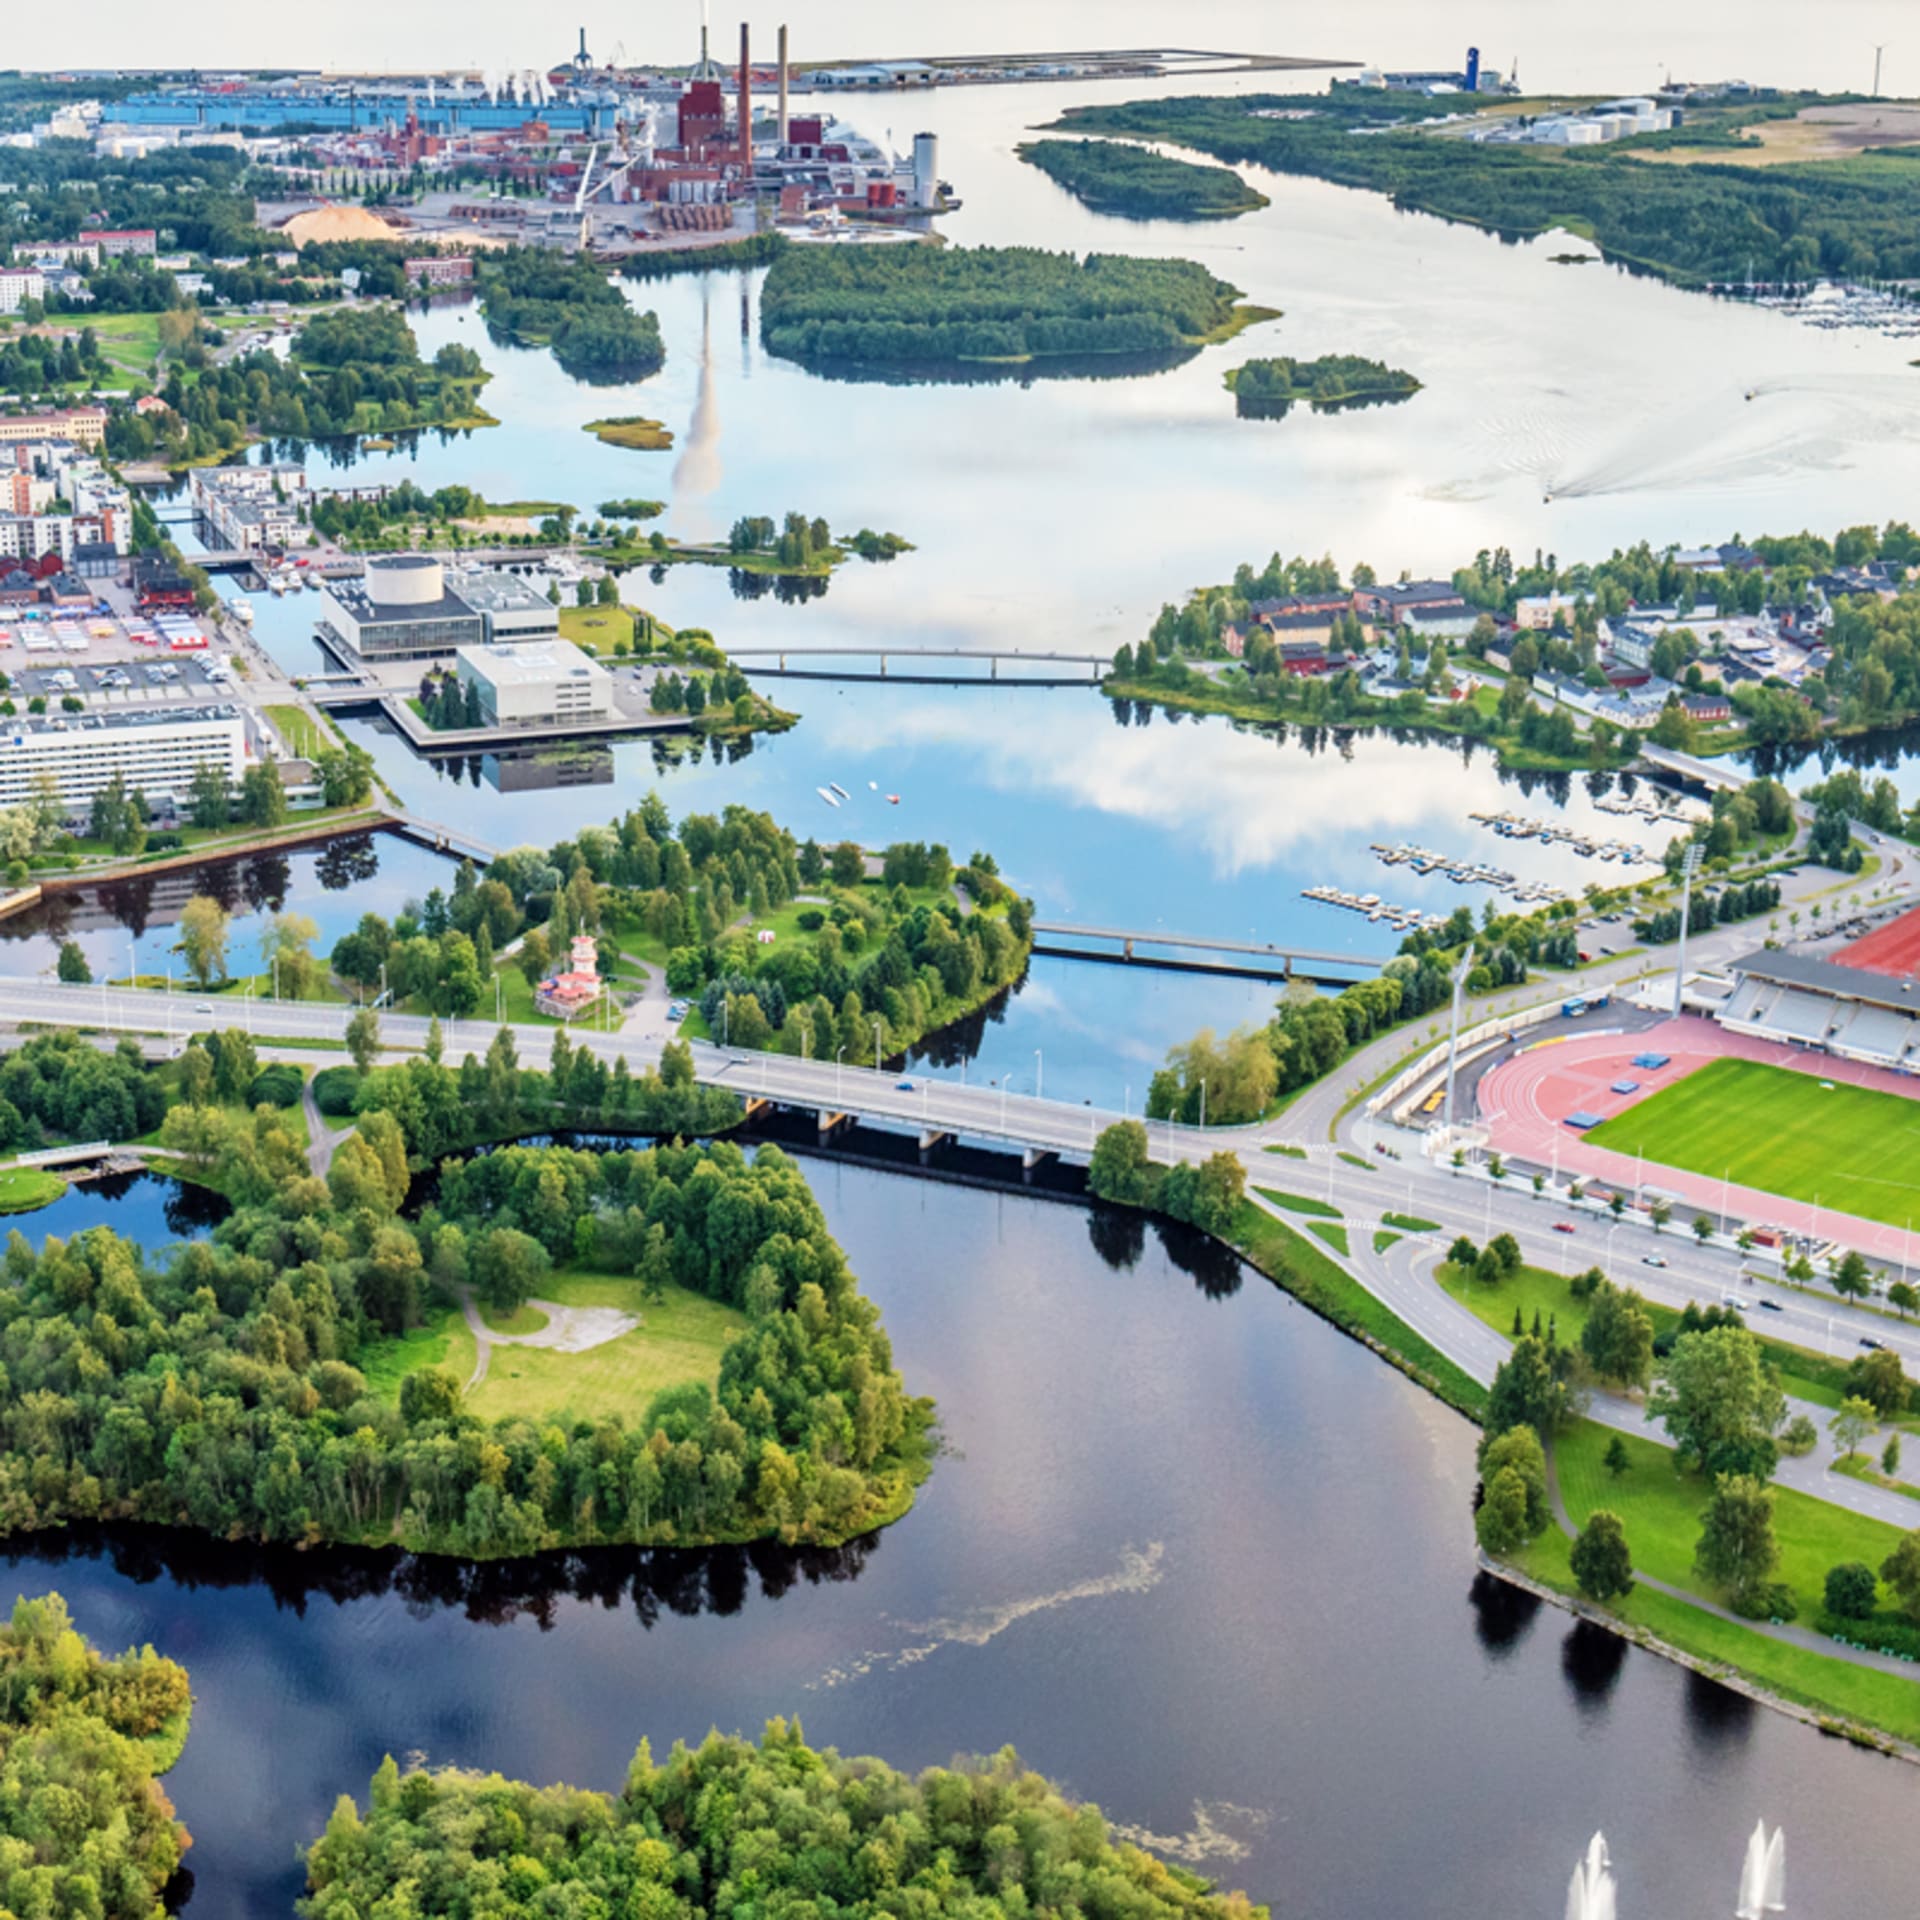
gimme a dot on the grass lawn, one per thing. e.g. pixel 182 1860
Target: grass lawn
pixel 24 1188
pixel 1661 1508
pixel 1409 1223
pixel 302 733
pixel 1303 1270
pixel 1292 1153
pixel 679 1339
pixel 442 1342
pixel 597 628
pixel 526 1319
pixel 1299 1203
pixel 1852 1148
pixel 1333 1232
pixel 1383 1239
pixel 1796 1673
pixel 1804 1375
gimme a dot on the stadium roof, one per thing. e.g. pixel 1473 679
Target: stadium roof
pixel 1832 980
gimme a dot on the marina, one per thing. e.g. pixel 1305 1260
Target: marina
pixel 1401 919
pixel 1514 826
pixel 1467 873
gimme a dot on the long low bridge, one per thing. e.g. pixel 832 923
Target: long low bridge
pixel 1091 667
pixel 1250 959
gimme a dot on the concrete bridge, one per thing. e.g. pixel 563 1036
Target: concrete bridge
pixel 1094 664
pixel 1687 766
pixel 1253 960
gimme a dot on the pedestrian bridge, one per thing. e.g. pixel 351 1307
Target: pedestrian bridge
pixel 1250 959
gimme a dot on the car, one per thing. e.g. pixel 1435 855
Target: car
pixel 203 1006
pixel 1871 1344
pixel 677 1011
pixel 1653 1259
pixel 1563 1226
pixel 1773 1306
pixel 1734 1301
pixel 903 1086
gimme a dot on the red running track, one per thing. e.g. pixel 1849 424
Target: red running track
pixel 1524 1103
pixel 1892 949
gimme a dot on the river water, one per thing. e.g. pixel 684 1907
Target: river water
pixel 1195 1554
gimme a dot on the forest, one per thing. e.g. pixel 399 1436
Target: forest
pixel 859 955
pixel 572 307
pixel 930 305
pixel 1707 221
pixel 85 1831
pixel 778 1831
pixel 1113 176
pixel 1267 388
pixel 226 1384
pixel 55 1086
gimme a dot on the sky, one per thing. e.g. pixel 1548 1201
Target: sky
pixel 1775 41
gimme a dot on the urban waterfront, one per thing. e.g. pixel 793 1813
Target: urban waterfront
pixel 1197 1555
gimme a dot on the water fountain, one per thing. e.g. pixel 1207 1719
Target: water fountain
pixel 1763 1876
pixel 1590 1897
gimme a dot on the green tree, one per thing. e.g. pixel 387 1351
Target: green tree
pixel 363 1037
pixel 1519 1450
pixel 1527 1390
pixel 1616 1459
pixel 847 865
pixel 1901 1571
pixel 1737 1549
pixel 1853 1277
pixel 72 965
pixel 1852 1591
pixel 1618 1336
pixel 1851 1425
pixel 1601 1563
pixel 263 800
pixel 203 939
pixel 210 802
pixel 1890 1456
pixel 1501 1524
pixel 1119 1169
pixel 1717 1403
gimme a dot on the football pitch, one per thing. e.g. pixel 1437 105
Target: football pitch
pixel 1849 1148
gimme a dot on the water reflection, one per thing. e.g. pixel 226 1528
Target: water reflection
pixel 1592 1659
pixel 649 1584
pixel 1503 1614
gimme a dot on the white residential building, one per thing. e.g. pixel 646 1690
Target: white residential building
pixel 248 508
pixel 155 753
pixel 18 285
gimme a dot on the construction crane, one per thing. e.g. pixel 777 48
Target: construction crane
pixel 580 198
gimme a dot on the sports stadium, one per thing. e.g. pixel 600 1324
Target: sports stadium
pixel 1794 1105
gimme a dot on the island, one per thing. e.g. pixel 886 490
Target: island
pixel 1747 189
pixel 634 431
pixel 921 310
pixel 84 1825
pixel 319 1371
pixel 984 1838
pixel 1267 389
pixel 1114 176
pixel 565 302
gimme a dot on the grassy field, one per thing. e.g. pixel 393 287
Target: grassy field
pixel 443 1342
pixel 303 734
pixel 22 1189
pixel 679 1339
pixel 597 628
pixel 1299 1203
pixel 1803 1374
pixel 1850 1148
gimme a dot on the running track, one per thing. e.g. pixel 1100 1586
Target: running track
pixel 1524 1103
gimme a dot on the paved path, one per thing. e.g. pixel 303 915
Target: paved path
pixel 1787 1635
pixel 322 1142
pixel 568 1330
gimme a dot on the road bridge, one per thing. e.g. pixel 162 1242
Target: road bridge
pixel 1687 766
pixel 1095 664
pixel 1255 960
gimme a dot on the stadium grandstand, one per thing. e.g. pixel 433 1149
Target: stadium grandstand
pixel 1850 1012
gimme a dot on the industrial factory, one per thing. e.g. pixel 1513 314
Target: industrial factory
pixel 608 159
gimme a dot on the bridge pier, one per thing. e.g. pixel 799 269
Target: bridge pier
pixel 931 1137
pixel 1127 949
pixel 755 1105
pixel 993 666
pixel 1036 1156
pixel 829 1121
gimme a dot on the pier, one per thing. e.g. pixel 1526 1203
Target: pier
pixel 1091 668
pixel 1513 826
pixel 1466 873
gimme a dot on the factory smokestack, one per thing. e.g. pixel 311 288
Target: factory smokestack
pixel 782 123
pixel 746 105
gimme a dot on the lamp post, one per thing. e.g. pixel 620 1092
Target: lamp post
pixel 1611 1231
pixel 878 1023
pixel 837 1058
pixel 1039 1092
pixel 1459 978
pixel 1689 866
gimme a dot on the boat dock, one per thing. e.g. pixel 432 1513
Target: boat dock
pixel 1647 808
pixel 1514 826
pixel 1467 873
pixel 1401 919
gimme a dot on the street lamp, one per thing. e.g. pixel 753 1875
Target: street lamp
pixel 1203 1106
pixel 1608 1256
pixel 837 1058
pixel 1037 1067
pixel 1459 978
pixel 878 1023
pixel 1689 866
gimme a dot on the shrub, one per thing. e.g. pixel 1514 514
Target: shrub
pixel 1765 1600
pixel 334 1089
pixel 276 1086
pixel 1852 1589
pixel 810 919
pixel 1798 1436
pixel 1883 1632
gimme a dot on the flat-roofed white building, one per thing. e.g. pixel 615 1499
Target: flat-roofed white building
pixel 248 508
pixel 154 753
pixel 535 683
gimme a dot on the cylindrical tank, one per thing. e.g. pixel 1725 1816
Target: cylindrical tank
pixel 926 171
pixel 405 580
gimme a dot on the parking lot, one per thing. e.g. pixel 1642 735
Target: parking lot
pixel 109 655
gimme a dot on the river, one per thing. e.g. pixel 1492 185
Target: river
pixel 1198 1556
